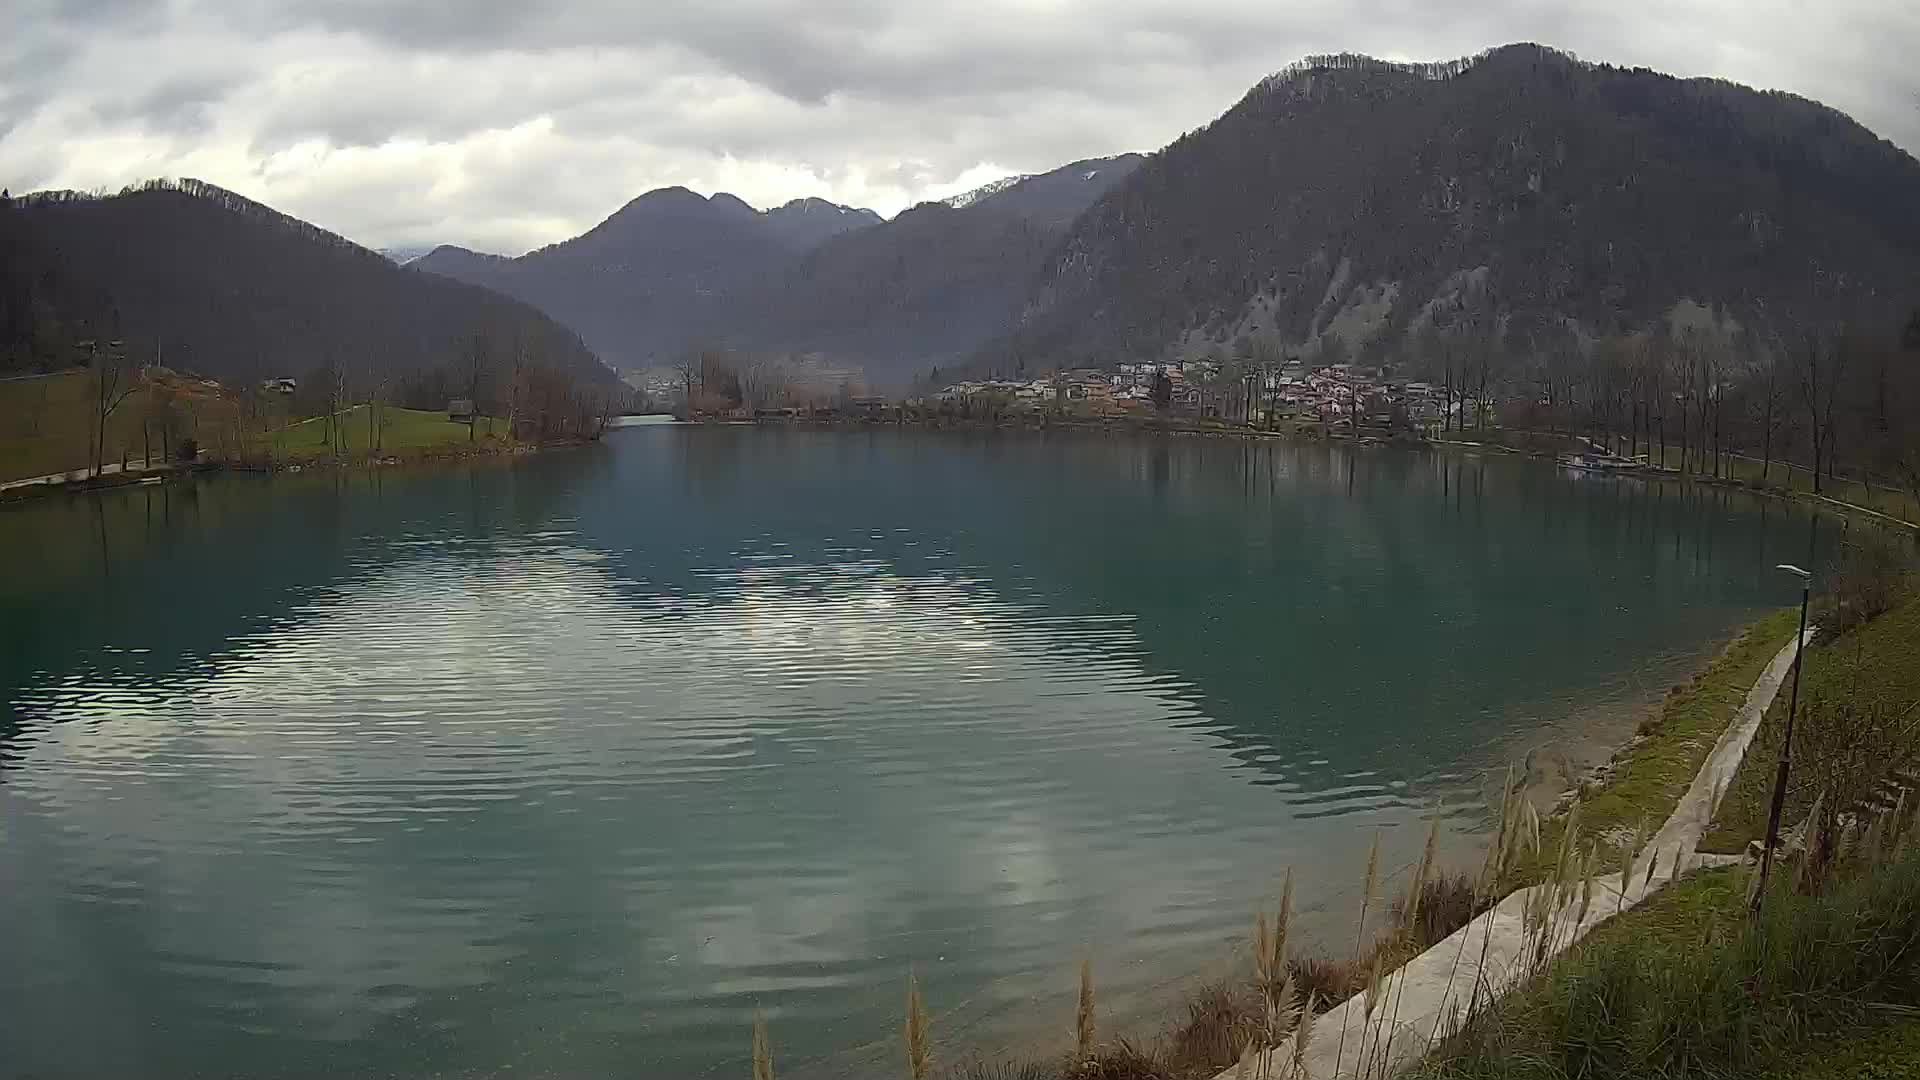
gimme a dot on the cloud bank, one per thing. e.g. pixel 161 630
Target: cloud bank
pixel 503 126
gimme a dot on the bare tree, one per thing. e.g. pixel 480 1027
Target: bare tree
pixel 764 383
pixel 475 373
pixel 112 381
pixel 1709 366
pixel 516 385
pixel 1660 380
pixel 1768 400
pixel 1822 364
pixel 689 367
pixel 333 392
pixel 378 387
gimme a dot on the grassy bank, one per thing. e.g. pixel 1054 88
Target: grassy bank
pixel 1857 729
pixel 46 427
pixel 1825 979
pixel 1785 479
pixel 1283 989
pixel 46 422
pixel 1882 1048
pixel 1690 985
pixel 401 433
pixel 1645 780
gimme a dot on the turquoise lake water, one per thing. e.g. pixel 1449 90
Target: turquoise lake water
pixel 565 766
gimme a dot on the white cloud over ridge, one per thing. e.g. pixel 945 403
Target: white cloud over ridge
pixel 503 126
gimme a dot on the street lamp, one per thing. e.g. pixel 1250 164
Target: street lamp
pixel 1786 744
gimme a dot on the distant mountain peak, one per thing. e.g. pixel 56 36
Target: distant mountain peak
pixel 407 253
pixel 668 196
pixel 814 205
pixel 732 204
pixel 986 191
pixel 1051 198
pixel 803 224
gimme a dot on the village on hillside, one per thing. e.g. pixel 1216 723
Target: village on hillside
pixel 1335 394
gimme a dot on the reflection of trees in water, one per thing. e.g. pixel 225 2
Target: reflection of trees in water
pixel 1319 603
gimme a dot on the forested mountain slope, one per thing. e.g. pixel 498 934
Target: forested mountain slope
pixel 673 272
pixel 1353 199
pixel 221 285
pixel 1053 199
pixel 652 279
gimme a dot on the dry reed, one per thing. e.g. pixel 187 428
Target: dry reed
pixel 919 1033
pixel 1083 1012
pixel 762 1048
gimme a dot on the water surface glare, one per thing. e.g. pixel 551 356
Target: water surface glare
pixel 564 766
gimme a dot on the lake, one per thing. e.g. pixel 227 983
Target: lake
pixel 565 765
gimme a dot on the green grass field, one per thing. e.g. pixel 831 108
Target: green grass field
pixel 45 422
pixel 405 433
pixel 1888 1050
pixel 1688 984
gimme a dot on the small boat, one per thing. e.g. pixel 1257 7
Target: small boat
pixel 1603 463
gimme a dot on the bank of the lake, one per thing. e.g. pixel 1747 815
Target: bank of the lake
pixel 574 761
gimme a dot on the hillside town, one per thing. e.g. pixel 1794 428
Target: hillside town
pixel 1329 393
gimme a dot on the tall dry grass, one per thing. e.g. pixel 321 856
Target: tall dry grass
pixel 919 1033
pixel 1083 1013
pixel 762 1048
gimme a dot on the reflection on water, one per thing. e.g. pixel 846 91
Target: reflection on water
pixel 565 767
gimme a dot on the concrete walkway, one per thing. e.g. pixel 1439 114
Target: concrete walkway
pixel 1431 995
pixel 74 476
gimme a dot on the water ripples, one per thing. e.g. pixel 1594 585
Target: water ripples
pixel 476 785
pixel 577 797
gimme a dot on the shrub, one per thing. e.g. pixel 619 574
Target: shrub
pixel 1447 903
pixel 1220 1018
pixel 1329 980
pixel 1869 579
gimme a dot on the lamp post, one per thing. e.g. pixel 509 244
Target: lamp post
pixel 1786 744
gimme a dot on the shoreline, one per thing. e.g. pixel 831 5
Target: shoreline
pixel 1614 740
pixel 31 489
pixel 1310 433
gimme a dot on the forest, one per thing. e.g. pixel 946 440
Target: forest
pixel 201 310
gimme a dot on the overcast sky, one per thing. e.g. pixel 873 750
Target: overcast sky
pixel 502 125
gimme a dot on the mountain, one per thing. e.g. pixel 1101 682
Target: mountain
pixel 636 286
pixel 1052 199
pixel 1530 193
pixel 986 190
pixel 804 224
pixel 927 288
pixel 225 286
pixel 44 310
pixel 647 281
pixel 672 271
pixel 404 255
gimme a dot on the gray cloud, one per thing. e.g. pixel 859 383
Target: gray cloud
pixel 506 125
